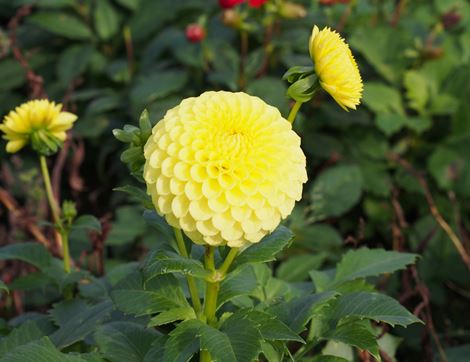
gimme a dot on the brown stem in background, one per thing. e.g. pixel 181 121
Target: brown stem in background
pixel 398 11
pixel 243 55
pixel 433 208
pixel 35 81
pixel 268 35
pixel 344 18
pixel 22 219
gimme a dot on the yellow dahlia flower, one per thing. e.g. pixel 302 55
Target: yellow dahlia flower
pixel 224 167
pixel 336 67
pixel 39 122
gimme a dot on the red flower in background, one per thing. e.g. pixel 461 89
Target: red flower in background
pixel 256 3
pixel 228 4
pixel 195 33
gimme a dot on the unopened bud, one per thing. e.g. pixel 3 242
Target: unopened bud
pixel 231 18
pixel 290 10
pixel 195 33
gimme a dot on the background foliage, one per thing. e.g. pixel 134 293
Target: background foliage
pixel 377 175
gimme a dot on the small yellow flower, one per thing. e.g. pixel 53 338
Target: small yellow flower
pixel 336 67
pixel 39 122
pixel 224 167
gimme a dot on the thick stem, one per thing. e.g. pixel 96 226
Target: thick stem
pixel 293 112
pixel 193 291
pixel 62 234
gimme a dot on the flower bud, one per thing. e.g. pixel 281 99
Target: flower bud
pixel 228 4
pixel 290 10
pixel 195 33
pixel 231 18
pixel 451 19
pixel 256 3
pixel 69 210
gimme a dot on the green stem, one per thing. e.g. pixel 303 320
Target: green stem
pixel 190 280
pixel 63 233
pixel 228 261
pixel 293 111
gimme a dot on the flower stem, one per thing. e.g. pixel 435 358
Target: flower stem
pixel 62 233
pixel 293 111
pixel 190 280
pixel 228 260
pixel 212 289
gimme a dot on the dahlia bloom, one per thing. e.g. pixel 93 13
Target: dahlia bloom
pixel 224 167
pixel 39 122
pixel 336 67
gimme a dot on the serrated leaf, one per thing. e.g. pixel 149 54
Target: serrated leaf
pixel 41 350
pixel 172 315
pixel 31 253
pixel 297 267
pixel 190 336
pixel 269 326
pixel 161 293
pixel 367 262
pixel 374 306
pixel 24 334
pixel 296 312
pixel 328 358
pixel 267 248
pixel 62 24
pixel 167 263
pixel 335 191
pixel 87 222
pixel 244 336
pixel 358 334
pixel 82 324
pixel 138 194
pixel 240 282
pixel 125 341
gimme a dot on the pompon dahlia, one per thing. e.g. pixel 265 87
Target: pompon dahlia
pixel 336 67
pixel 224 167
pixel 40 122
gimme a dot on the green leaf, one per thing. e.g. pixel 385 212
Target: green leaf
pixel 31 253
pixel 244 336
pixel 73 62
pixel 190 336
pixel 366 262
pixel 167 262
pixel 297 267
pixel 381 98
pixel 125 341
pixel 375 306
pixel 24 334
pixel 39 350
pixel 61 24
pixel 81 324
pixel 328 358
pixel 390 123
pixel 267 248
pixel 159 223
pixel 128 225
pixel 296 312
pixel 159 294
pixel 11 74
pixel 106 19
pixel 269 326
pixel 335 191
pixel 240 282
pixel 358 334
pixel 138 194
pixel 172 315
pixel 417 90
pixel 158 85
pixel 87 222
pixel 130 4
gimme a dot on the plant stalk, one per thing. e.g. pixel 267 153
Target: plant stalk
pixel 193 291
pixel 55 210
pixel 293 112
